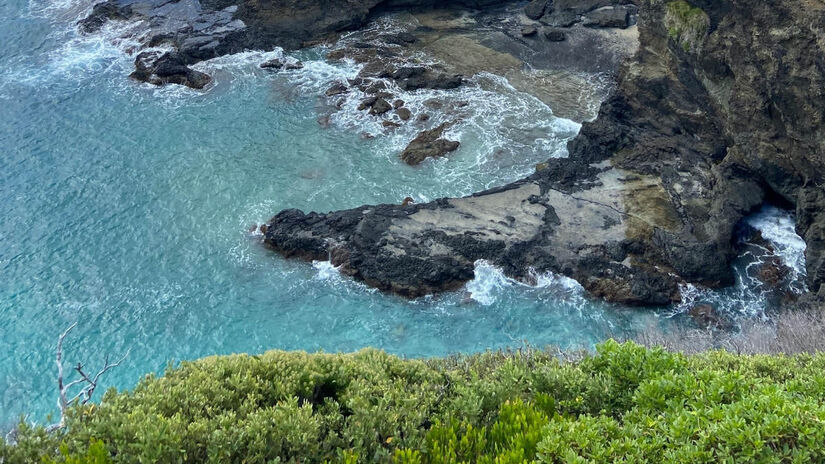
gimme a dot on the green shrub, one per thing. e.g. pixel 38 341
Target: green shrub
pixel 686 24
pixel 624 403
pixel 95 454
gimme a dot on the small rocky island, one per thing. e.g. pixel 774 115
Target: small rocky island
pixel 718 107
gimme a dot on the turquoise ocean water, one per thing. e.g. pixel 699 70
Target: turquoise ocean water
pixel 127 208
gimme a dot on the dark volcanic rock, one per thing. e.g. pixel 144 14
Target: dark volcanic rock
pixel 420 77
pixel 101 13
pixel 167 68
pixel 595 13
pixel 810 217
pixel 336 89
pixel 380 106
pixel 617 16
pixel 428 144
pixel 555 35
pixel 274 63
pixel 404 113
pixel 399 38
pixel 722 106
pixel 528 31
pixel 536 8
pixel 201 30
pixel 580 6
pixel 561 19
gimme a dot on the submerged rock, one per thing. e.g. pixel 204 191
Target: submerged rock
pixel 167 68
pixel 336 89
pixel 428 144
pixel 773 271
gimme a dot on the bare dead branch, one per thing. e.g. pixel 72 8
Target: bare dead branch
pixel 85 393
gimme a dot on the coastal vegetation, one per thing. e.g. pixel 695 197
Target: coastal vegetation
pixel 651 198
pixel 623 402
pixel 686 24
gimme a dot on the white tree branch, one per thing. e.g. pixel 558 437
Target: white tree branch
pixel 85 393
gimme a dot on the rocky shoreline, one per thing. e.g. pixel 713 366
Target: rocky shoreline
pixel 720 110
pixel 176 34
pixel 702 129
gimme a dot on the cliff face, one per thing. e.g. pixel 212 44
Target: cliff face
pixel 724 103
pixel 720 110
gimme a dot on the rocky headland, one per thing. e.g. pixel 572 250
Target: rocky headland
pixel 719 110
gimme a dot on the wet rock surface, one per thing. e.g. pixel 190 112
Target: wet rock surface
pixel 278 64
pixel 167 68
pixel 711 116
pixel 721 107
pixel 428 144
pixel 613 16
pixel 195 31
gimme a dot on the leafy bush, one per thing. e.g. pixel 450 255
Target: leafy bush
pixel 622 403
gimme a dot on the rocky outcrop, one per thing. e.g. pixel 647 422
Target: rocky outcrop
pixel 195 30
pixel 591 13
pixel 721 108
pixel 724 104
pixel 167 68
pixel 278 64
pixel 428 144
pixel 199 30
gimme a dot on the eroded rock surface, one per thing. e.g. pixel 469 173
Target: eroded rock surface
pixel 721 108
pixel 194 31
pixel 428 144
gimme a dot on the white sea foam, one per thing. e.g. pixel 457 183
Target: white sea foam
pixel 61 10
pixel 503 132
pixel 325 271
pixel 749 296
pixel 778 227
pixel 76 59
pixel 490 283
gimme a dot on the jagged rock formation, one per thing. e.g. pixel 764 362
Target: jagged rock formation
pixel 721 108
pixel 199 30
pixel 428 144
